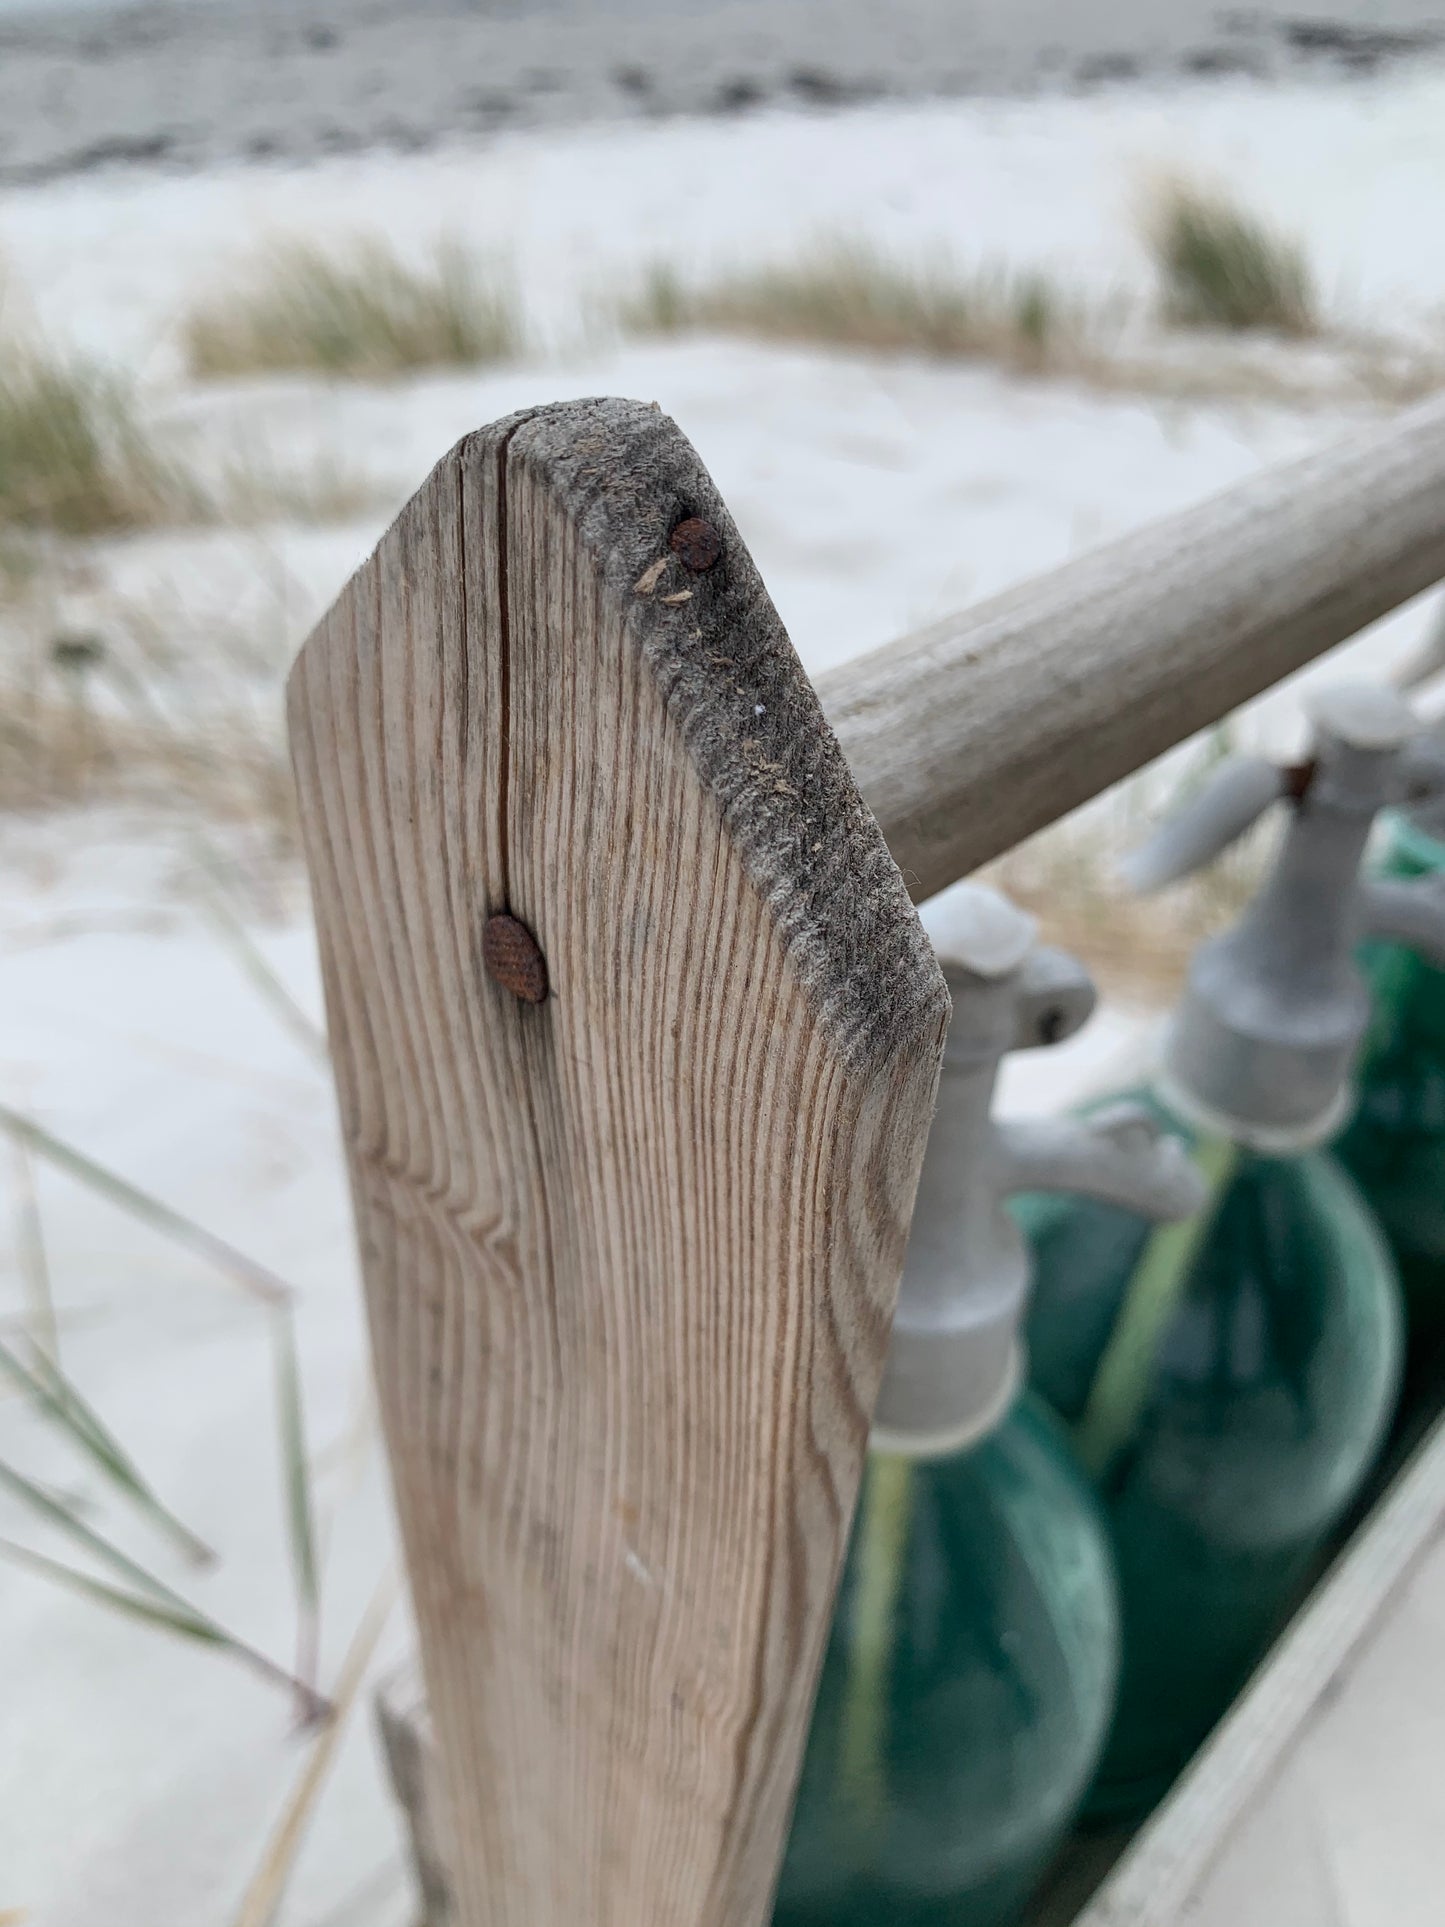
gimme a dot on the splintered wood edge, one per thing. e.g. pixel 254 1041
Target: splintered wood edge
pixel 733 686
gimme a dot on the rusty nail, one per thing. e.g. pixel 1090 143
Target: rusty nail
pixel 514 959
pixel 696 544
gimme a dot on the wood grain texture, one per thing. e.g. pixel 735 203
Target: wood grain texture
pixel 630 1254
pixel 972 734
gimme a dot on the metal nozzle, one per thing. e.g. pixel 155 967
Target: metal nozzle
pixel 1266 1036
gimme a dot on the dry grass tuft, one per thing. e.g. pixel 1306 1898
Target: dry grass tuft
pixel 57 753
pixel 73 455
pixel 852 296
pixel 253 488
pixel 1228 274
pixel 1222 267
pixel 77 460
pixel 96 717
pixel 365 312
pixel 1137 947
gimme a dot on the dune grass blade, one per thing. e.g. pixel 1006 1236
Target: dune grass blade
pixel 299 1512
pixel 34 1265
pixel 258 972
pixel 1122 1379
pixel 49 1509
pixel 1222 267
pixel 73 456
pixel 55 1396
pixel 154 1612
pixel 152 1598
pixel 71 1317
pixel 70 1503
pixel 367 312
pixel 885 1511
pixel 268 1886
pixel 850 295
pixel 128 1197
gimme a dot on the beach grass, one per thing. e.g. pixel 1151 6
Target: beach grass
pixel 1220 270
pixel 1069 877
pixel 74 457
pixel 60 1402
pixel 1221 266
pixel 362 311
pixel 61 748
pixel 145 1595
pixel 251 488
pixel 266 1889
pixel 77 460
pixel 851 295
pixel 136 706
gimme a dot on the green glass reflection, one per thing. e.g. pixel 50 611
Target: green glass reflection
pixel 1227 1447
pixel 1395 1146
pixel 966 1690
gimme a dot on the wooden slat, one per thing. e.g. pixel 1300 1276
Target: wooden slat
pixel 631 1253
pixel 972 734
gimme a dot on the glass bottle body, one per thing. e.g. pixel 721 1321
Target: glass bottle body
pixel 1394 1147
pixel 1228 1424
pixel 966 1690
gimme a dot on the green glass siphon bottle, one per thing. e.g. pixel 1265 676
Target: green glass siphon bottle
pixel 969 1676
pixel 1394 1147
pixel 1229 1380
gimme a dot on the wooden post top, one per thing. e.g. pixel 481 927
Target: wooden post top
pixel 636 1036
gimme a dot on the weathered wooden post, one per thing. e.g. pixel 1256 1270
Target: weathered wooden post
pixel 636 1038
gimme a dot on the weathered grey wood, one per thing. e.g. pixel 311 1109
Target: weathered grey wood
pixel 972 734
pixel 630 1254
pixel 1158 1879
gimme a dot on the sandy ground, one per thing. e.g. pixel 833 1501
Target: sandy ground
pixel 140 1776
pixel 191 85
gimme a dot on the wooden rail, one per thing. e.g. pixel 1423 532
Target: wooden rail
pixel 972 734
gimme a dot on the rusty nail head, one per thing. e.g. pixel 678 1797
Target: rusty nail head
pixel 696 544
pixel 513 959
